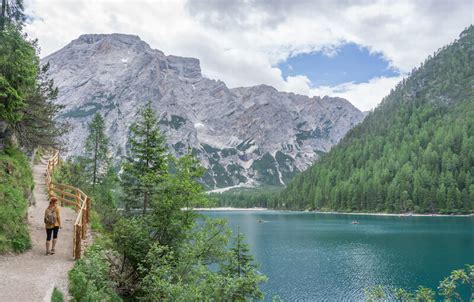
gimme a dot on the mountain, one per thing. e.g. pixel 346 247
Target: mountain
pixel 414 152
pixel 242 135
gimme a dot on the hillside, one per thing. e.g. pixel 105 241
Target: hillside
pixel 254 135
pixel 16 183
pixel 414 152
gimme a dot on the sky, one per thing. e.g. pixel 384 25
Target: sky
pixel 355 49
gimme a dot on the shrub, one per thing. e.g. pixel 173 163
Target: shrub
pixel 89 280
pixel 57 296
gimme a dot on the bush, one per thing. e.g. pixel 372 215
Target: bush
pixel 89 280
pixel 57 296
pixel 16 183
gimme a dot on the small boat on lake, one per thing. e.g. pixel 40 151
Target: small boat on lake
pixel 355 222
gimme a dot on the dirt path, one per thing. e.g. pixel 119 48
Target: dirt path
pixel 33 275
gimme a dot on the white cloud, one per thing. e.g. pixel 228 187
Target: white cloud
pixel 363 95
pixel 240 41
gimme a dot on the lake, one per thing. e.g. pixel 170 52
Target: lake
pixel 324 257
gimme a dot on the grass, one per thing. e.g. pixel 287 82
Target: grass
pixel 16 184
pixel 57 296
pixel 96 225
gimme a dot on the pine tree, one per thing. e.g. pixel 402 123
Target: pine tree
pixel 37 127
pixel 96 149
pixel 18 71
pixel 26 92
pixel 243 272
pixel 146 162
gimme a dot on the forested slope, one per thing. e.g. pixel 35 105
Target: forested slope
pixel 414 152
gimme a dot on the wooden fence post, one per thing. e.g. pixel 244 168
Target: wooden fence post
pixel 89 204
pixel 83 225
pixel 78 201
pixel 77 243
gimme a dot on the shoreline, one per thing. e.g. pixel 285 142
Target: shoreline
pixel 222 209
pixel 225 209
pixel 395 214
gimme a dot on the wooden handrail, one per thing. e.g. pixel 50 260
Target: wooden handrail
pixel 71 196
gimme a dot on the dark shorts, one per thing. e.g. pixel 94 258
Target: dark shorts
pixel 54 231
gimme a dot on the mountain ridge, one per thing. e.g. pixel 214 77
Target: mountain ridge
pixel 253 135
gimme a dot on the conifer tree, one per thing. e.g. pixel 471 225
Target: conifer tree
pixel 146 162
pixel 26 92
pixel 37 126
pixel 18 72
pixel 97 148
pixel 243 272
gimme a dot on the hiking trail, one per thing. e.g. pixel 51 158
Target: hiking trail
pixel 31 276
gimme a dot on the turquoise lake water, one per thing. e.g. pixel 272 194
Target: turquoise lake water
pixel 324 257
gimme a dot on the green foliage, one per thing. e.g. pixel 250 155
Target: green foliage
pixel 104 195
pixel 18 72
pixel 88 279
pixel 160 253
pixel 96 149
pixel 184 275
pixel 239 267
pixel 95 222
pixel 375 294
pixel 71 172
pixel 26 92
pixel 95 176
pixel 37 127
pixel 451 289
pixel 57 296
pixel 16 184
pixel 413 153
pixel 264 197
pixel 146 161
pixel 265 169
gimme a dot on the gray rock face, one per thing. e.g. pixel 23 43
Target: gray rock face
pixel 243 135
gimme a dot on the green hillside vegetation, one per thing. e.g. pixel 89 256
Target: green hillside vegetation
pixel 16 183
pixel 413 153
pixel 26 123
pixel 263 197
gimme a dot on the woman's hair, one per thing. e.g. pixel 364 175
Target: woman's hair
pixel 53 200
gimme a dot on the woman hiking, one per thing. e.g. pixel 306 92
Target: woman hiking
pixel 52 221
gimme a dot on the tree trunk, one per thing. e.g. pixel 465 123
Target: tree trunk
pixel 95 159
pixel 145 201
pixel 3 16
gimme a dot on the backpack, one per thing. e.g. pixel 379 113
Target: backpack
pixel 50 216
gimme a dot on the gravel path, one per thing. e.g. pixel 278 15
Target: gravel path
pixel 31 276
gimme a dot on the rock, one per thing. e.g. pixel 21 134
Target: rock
pixel 242 135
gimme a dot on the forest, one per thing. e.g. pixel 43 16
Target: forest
pixel 413 153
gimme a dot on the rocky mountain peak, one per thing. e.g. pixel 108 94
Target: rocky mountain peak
pixel 242 135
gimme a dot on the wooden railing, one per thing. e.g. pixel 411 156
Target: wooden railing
pixel 70 195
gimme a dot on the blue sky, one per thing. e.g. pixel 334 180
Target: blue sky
pixel 347 63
